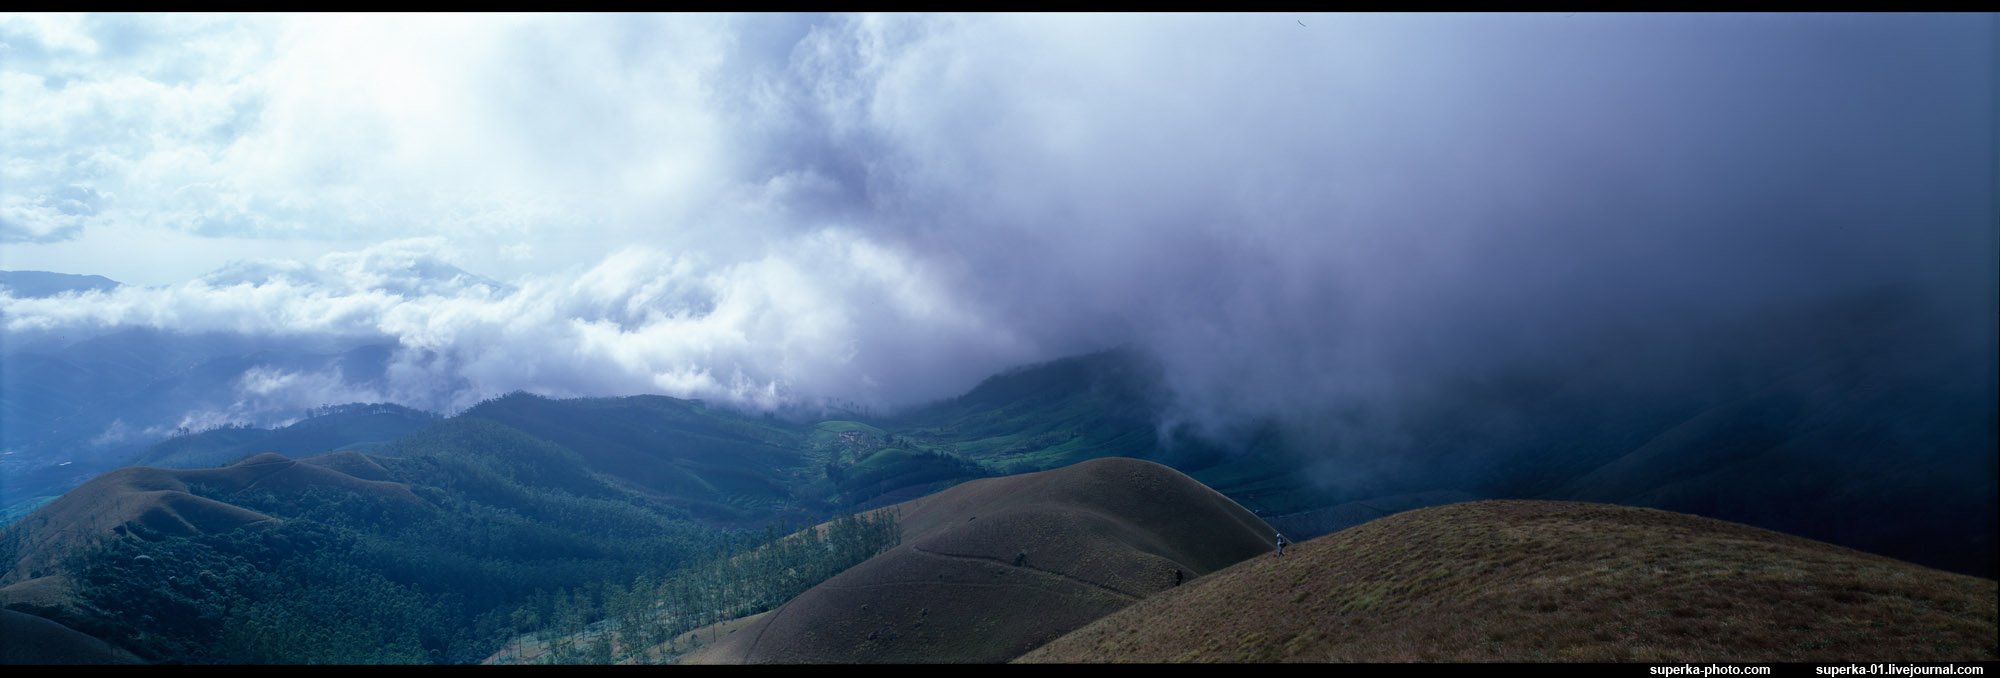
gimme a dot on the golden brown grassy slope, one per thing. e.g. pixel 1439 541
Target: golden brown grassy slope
pixel 1091 538
pixel 1553 581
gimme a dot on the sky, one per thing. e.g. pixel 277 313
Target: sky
pixel 1288 210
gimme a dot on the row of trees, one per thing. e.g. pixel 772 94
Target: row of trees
pixel 611 623
pixel 502 519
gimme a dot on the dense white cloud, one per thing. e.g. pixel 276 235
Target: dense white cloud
pixel 271 396
pixel 784 329
pixel 775 208
pixel 501 130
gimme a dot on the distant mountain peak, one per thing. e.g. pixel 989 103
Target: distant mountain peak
pixel 43 284
pixel 422 276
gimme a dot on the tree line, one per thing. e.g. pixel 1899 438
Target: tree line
pixel 643 621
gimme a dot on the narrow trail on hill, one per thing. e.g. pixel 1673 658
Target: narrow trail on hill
pixel 999 561
pixel 752 645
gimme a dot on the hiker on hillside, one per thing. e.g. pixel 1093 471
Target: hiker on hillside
pixel 1177 577
pixel 1282 541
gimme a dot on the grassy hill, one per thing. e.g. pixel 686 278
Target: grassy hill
pixel 991 568
pixel 1553 581
pixel 34 640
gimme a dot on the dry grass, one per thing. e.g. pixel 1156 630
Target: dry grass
pixel 1554 581
pixel 1097 536
pixel 695 640
pixel 41 595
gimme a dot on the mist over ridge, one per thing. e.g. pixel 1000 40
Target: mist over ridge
pixel 1324 225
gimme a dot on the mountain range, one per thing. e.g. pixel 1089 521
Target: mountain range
pixel 415 537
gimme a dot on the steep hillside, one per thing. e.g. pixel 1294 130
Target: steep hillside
pixel 992 568
pixel 28 639
pixel 731 468
pixel 165 502
pixel 717 464
pixel 1049 415
pixel 414 556
pixel 1553 581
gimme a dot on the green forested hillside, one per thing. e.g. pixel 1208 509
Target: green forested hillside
pixel 508 532
pixel 348 577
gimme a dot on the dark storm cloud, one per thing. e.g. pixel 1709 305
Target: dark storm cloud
pixel 1299 218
